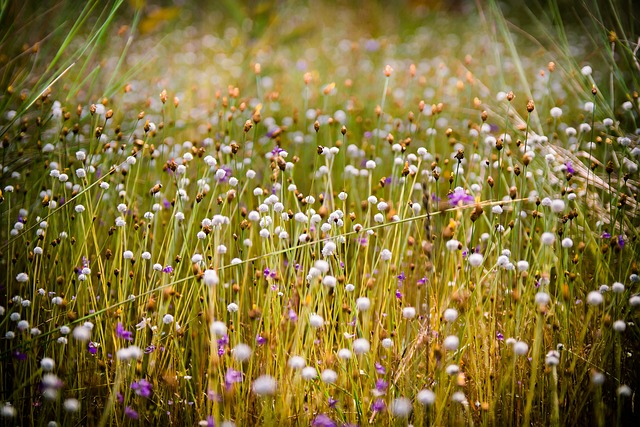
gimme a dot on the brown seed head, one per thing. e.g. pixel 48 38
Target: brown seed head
pixel 530 105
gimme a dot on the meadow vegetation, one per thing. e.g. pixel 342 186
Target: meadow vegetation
pixel 412 213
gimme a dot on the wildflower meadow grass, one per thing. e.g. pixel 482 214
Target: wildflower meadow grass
pixel 321 214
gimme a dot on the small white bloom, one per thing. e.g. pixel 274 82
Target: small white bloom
pixel 329 376
pixel 408 312
pixel 594 298
pixel 426 397
pixel 242 352
pixel 264 385
pixel 521 348
pixel 361 346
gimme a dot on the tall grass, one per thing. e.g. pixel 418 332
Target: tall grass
pixel 344 227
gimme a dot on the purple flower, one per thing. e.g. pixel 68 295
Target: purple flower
pixel 293 316
pixel 332 402
pixel 121 332
pixel 167 269
pixel 322 420
pixel 401 276
pixel 231 377
pixel 459 196
pixel 380 369
pixel 570 168
pixel 141 387
pixel 260 340
pixel 150 349
pixel 211 422
pixel 166 204
pixel 499 336
pixel 422 281
pixel 620 241
pixel 92 347
pixel 378 406
pixel 129 412
pixel 398 294
pixel 381 385
pixel 20 356
pixel 605 235
pixel 276 150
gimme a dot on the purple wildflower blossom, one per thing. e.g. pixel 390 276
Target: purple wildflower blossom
pixel 620 241
pixel 401 276
pixel 380 369
pixel 459 196
pixel 499 336
pixel 141 387
pixel 129 412
pixel 167 269
pixel 260 340
pixel 570 168
pixel 398 294
pixel 381 385
pixel 231 377
pixel 322 420
pixel 92 347
pixel 121 332
pixel 332 402
pixel 378 406
pixel 606 235
pixel 293 316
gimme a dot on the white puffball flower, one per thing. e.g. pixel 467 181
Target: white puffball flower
pixel 264 385
pixel 617 287
pixel 316 321
pixel 363 304
pixel 597 378
pixel 210 277
pixel 556 112
pixel 309 373
pixel 475 259
pixel 361 346
pixel 167 319
pixel 547 238
pixel 329 376
pixel 296 362
pixel 385 255
pixel 619 325
pixel 542 298
pixel 451 342
pixel 81 333
pixel 401 407
pixel 594 298
pixel 71 405
pixel 242 352
pixel 586 70
pixel 557 205
pixel 232 307
pixel 452 245
pixel 624 391
pixel 521 348
pixel 567 242
pixel 127 255
pixel 344 354
pixel 408 312
pixel 450 315
pixel 218 328
pixel 426 397
pixel 47 364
